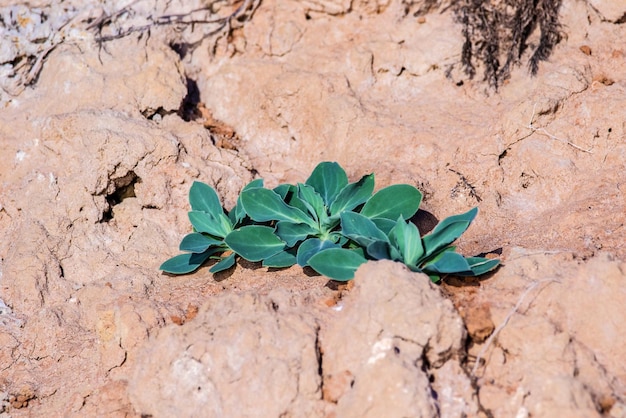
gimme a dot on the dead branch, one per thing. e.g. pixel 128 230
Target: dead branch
pixel 242 14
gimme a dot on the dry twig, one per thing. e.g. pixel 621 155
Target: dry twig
pixel 242 13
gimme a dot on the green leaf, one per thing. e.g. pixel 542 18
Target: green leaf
pixel 234 213
pixel 313 201
pixel 293 233
pixel 481 265
pixel 436 256
pixel 185 263
pixel 254 242
pixel 407 239
pixel 266 205
pixel 237 214
pixel 203 197
pixel 379 250
pixel 294 201
pixel 280 260
pixel 310 247
pixel 224 264
pixel 205 222
pixel 337 263
pixel 226 224
pixel 328 224
pixel 415 269
pixel 328 179
pixel 198 243
pixel 353 195
pixel 283 190
pixel 253 184
pixel 385 225
pixel 447 231
pixel 361 229
pixel 395 254
pixel 393 201
pixel 448 263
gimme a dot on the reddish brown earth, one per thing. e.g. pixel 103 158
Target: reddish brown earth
pixel 96 161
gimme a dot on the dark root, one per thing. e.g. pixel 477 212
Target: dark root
pixel 496 34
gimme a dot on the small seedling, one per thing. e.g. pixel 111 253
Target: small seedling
pixel 326 223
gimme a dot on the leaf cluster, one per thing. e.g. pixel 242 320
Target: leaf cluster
pixel 326 223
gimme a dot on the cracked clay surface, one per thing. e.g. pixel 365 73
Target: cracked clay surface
pixel 104 126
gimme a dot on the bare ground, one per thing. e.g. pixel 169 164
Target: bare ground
pixel 100 140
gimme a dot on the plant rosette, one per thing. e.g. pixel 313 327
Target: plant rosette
pixel 326 223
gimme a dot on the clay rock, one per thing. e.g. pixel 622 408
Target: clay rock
pixel 332 7
pixel 612 11
pixel 385 334
pixel 243 355
pixel 93 197
pixel 118 79
pixel 375 354
pixel 560 352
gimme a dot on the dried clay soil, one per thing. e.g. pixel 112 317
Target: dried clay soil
pixel 98 151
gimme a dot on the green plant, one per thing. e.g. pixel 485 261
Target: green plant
pixel 219 236
pixel 326 223
pixel 431 254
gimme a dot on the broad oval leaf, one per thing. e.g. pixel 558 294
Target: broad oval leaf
pixel 328 179
pixel 353 195
pixel 481 265
pixel 224 264
pixel 289 194
pixel 203 197
pixel 185 263
pixel 205 222
pixel 328 224
pixel 393 201
pixel 281 260
pixel 406 237
pixel 447 231
pixel 385 225
pixel 310 247
pixel 448 262
pixel 293 233
pixel 283 190
pixel 254 242
pixel 436 256
pixel 253 184
pixel 237 214
pixel 379 250
pixel 434 278
pixel 313 201
pixel 294 201
pixel 361 229
pixel 198 243
pixel 226 224
pixel 394 253
pixel 337 263
pixel 266 205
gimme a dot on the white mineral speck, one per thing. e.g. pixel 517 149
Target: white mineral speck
pixel 20 155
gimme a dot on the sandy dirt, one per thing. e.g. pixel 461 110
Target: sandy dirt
pixel 110 111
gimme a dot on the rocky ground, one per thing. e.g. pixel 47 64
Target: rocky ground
pixel 110 111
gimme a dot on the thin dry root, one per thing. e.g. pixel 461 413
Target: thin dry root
pixel 504 323
pixel 549 135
